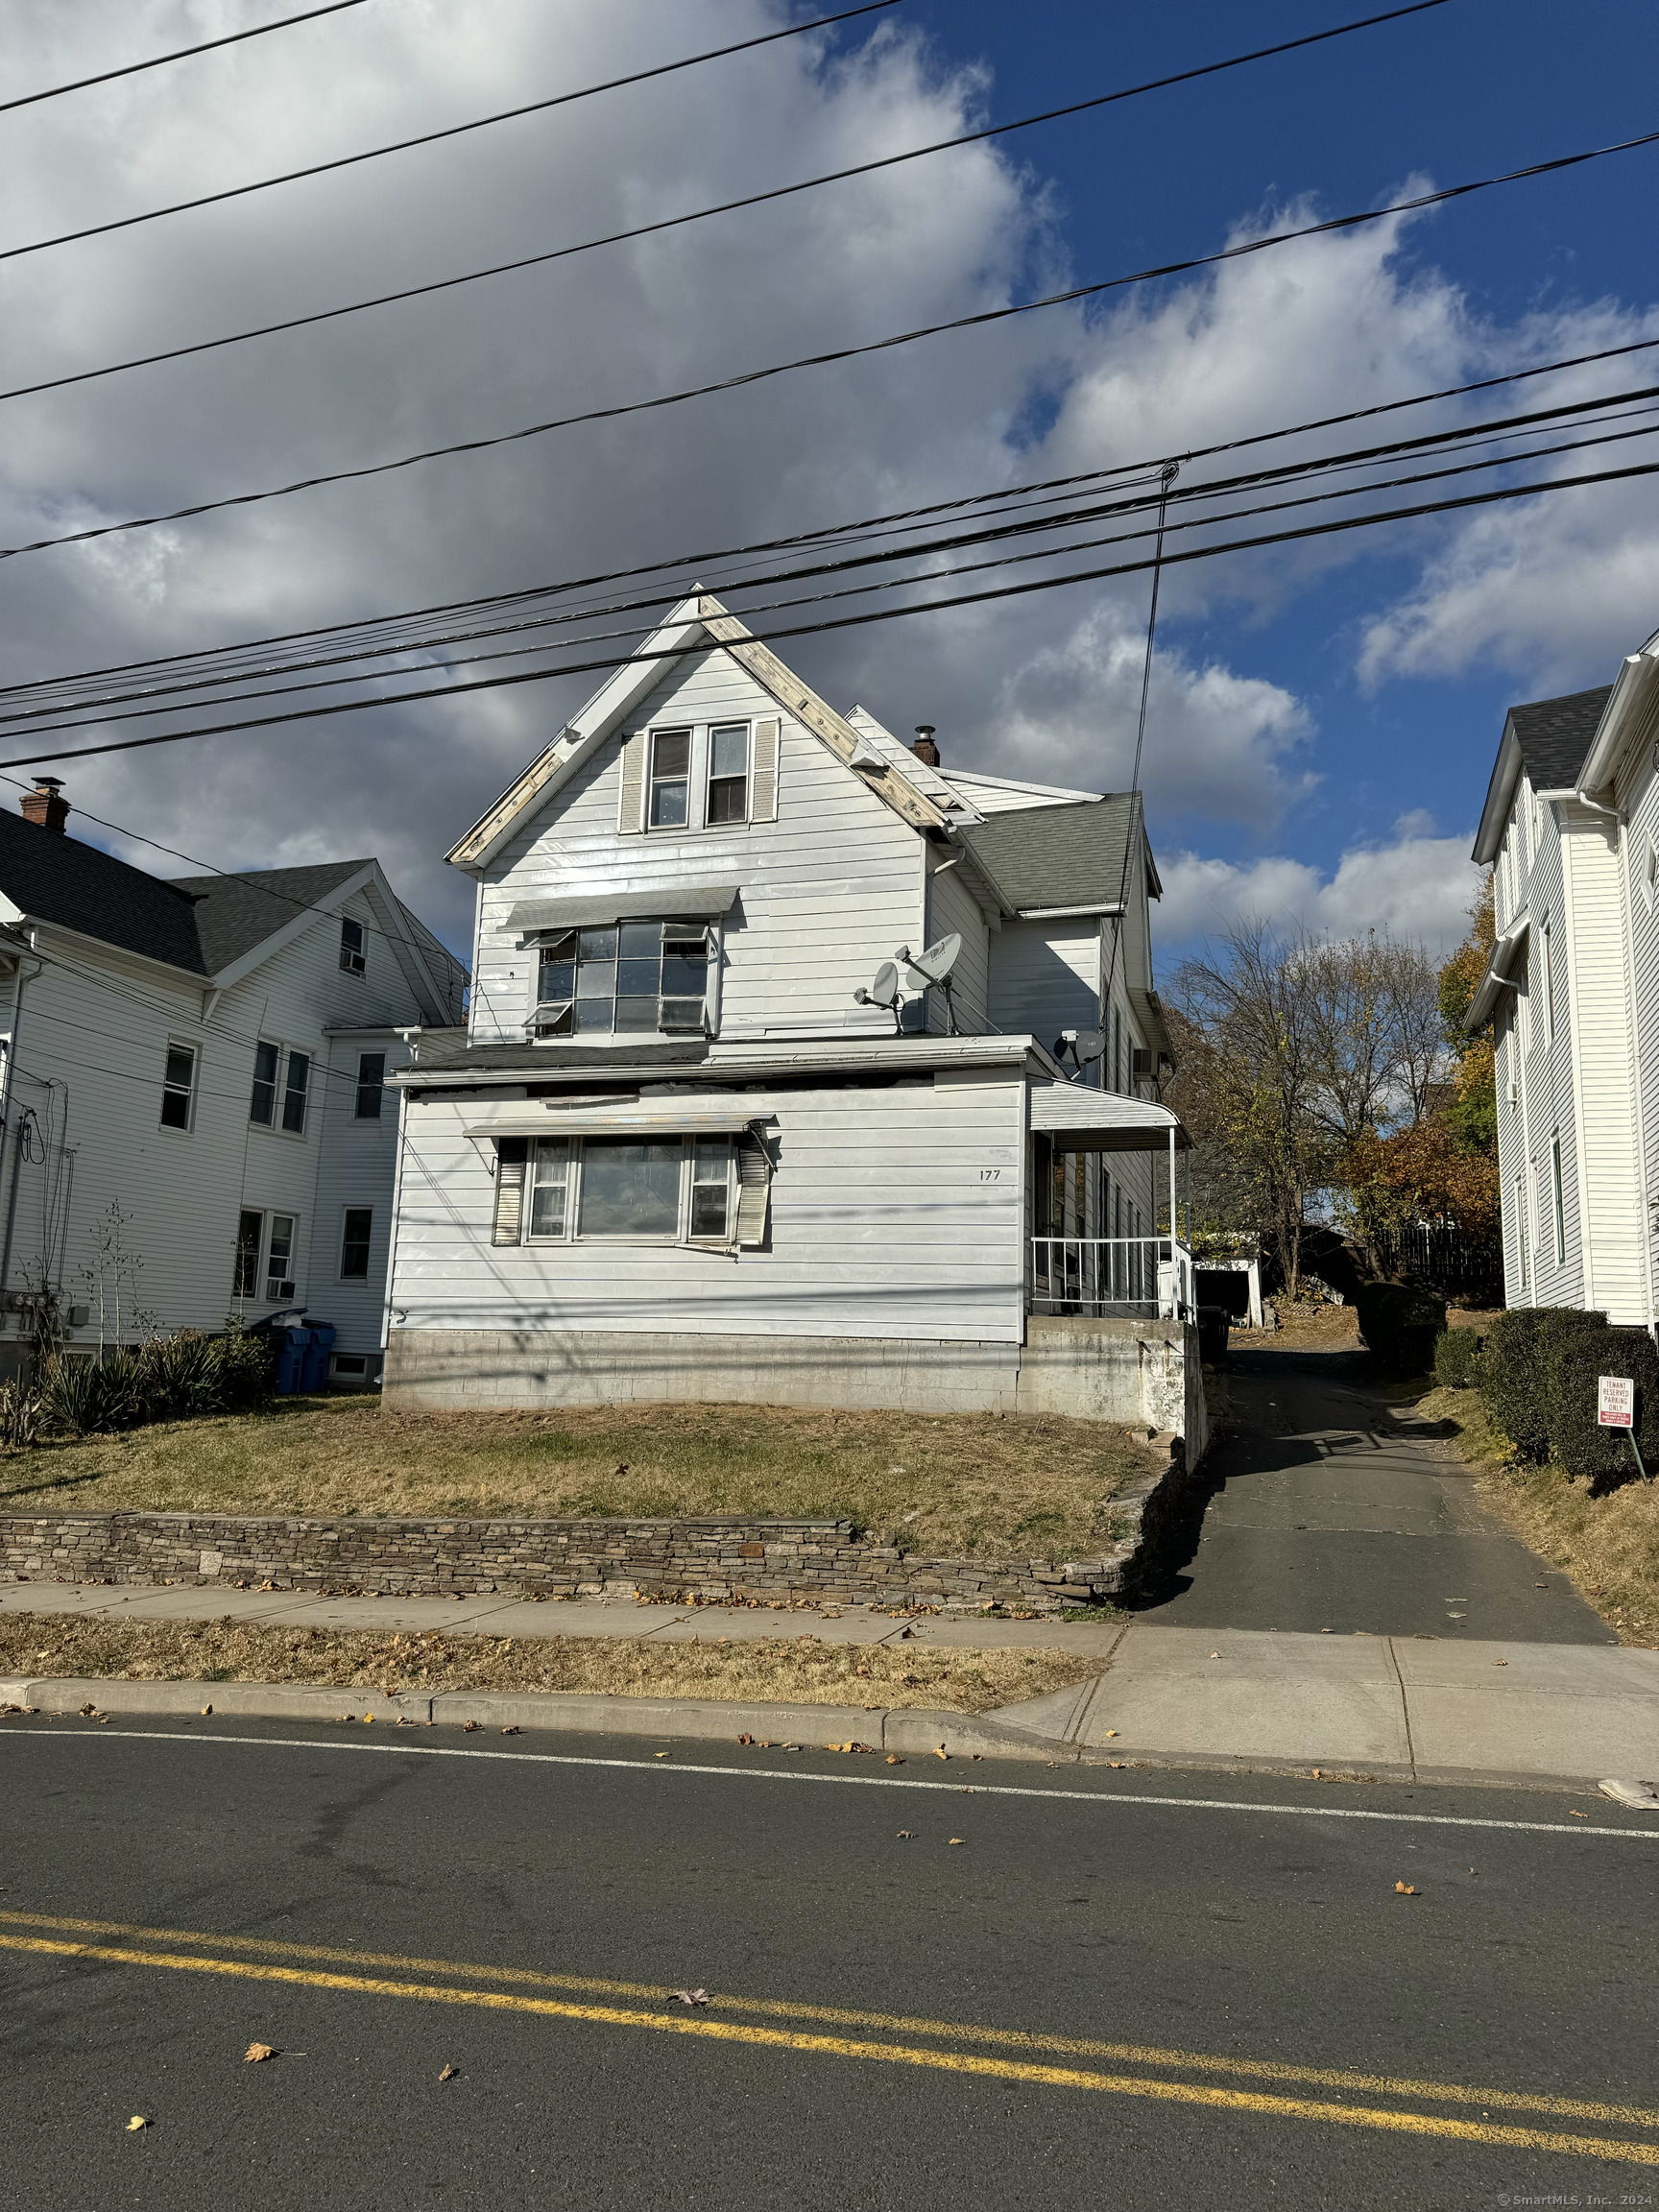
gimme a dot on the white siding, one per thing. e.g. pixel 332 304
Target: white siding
pixel 895 1211
pixel 1610 1194
pixel 829 890
pixel 1045 977
pixel 1000 795
pixel 952 907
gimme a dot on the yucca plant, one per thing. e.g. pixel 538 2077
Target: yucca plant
pixel 89 1397
pixel 20 1411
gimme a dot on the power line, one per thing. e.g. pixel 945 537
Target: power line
pixel 96 711
pixel 749 377
pixel 702 214
pixel 457 606
pixel 855 621
pixel 179 53
pixel 452 131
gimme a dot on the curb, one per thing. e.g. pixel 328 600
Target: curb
pixel 904 1729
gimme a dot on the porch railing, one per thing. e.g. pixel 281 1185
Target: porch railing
pixel 1142 1278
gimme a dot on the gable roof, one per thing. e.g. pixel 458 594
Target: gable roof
pixel 235 913
pixel 55 877
pixel 1555 735
pixel 1051 859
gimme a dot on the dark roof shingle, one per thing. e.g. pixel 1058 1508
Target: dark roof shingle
pixel 1066 856
pixel 235 913
pixel 55 877
pixel 1555 736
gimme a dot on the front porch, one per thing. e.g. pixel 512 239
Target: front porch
pixel 1074 1266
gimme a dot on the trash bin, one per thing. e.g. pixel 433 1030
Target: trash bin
pixel 291 1360
pixel 314 1372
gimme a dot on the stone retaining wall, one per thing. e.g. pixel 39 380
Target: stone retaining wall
pixel 708 1560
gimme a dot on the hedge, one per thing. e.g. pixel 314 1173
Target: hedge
pixel 1400 1321
pixel 1514 1371
pixel 173 1379
pixel 1456 1356
pixel 1576 1438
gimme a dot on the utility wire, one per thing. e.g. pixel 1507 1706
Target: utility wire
pixel 179 53
pixel 458 607
pixel 856 621
pixel 1021 525
pixel 749 377
pixel 452 131
pixel 701 214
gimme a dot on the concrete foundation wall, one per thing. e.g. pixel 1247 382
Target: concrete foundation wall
pixel 1121 1371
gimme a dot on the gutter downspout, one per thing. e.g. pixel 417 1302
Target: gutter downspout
pixel 6 1085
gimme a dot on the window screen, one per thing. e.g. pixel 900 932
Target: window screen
pixel 280 1257
pixel 354 1241
pixel 262 1106
pixel 178 1087
pixel 550 1187
pixel 712 1188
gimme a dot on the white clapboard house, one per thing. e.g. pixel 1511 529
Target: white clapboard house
pixel 194 1089
pixel 1571 830
pixel 693 1145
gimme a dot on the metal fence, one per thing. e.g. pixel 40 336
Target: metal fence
pixel 1143 1278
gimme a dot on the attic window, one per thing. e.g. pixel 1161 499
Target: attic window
pixel 631 979
pixel 353 956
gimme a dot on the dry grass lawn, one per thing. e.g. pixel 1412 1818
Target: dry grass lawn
pixel 1608 1546
pixel 950 1485
pixel 1311 1323
pixel 795 1668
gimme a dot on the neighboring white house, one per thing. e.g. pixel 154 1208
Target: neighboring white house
pixel 685 1150
pixel 209 1056
pixel 1571 830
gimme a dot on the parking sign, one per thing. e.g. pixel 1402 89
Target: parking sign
pixel 1615 1401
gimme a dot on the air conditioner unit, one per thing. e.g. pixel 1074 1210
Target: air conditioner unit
pixel 1141 1062
pixel 1513 1094
pixel 285 1290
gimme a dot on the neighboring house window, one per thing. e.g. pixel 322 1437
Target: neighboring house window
pixel 1650 873
pixel 250 1230
pixel 262 1106
pixel 1548 987
pixel 354 1238
pixel 295 1094
pixel 179 1087
pixel 1521 1230
pixel 1524 1009
pixel 370 1085
pixel 670 778
pixel 638 976
pixel 666 1189
pixel 353 948
pixel 1557 1206
pixel 279 1259
pixel 728 772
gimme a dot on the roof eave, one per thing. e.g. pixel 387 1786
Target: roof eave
pixel 1627 720
pixel 1500 795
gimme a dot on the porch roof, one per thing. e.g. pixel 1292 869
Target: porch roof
pixel 1080 1119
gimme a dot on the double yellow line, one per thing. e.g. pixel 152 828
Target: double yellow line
pixel 998 2058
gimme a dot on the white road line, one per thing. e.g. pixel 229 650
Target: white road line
pixel 845 1781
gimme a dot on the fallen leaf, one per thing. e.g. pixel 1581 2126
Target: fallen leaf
pixel 136 2122
pixel 1111 1731
pixel 690 1997
pixel 1316 1774
pixel 745 1739
pixel 256 2052
pixel 893 1760
pixel 510 1731
pixel 1405 1890
pixel 449 2073
pixel 1573 1814
pixel 658 1754
pixel 941 1753
pixel 958 1839
pixel 88 1710
pixel 904 1835
pixel 470 1728
pixel 206 1709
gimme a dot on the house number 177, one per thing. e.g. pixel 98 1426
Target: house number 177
pixel 990 1175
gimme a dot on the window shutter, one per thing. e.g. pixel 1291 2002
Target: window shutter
pixel 763 798
pixel 630 808
pixel 753 1189
pixel 510 1162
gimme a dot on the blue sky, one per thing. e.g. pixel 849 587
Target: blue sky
pixel 1323 719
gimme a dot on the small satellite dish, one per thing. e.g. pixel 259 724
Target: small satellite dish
pixel 934 964
pixel 1084 1046
pixel 882 992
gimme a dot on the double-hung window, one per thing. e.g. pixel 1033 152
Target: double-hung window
pixel 728 773
pixel 179 1087
pixel 249 1234
pixel 353 948
pixel 295 1093
pixel 668 1190
pixel 630 978
pixel 279 1259
pixel 371 1086
pixel 356 1234
pixel 1557 1201
pixel 262 1105
pixel 670 778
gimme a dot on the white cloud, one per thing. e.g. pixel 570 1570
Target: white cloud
pixel 1418 888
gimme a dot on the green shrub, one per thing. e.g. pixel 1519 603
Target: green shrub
pixel 172 1379
pixel 1400 1321
pixel 179 1376
pixel 1456 1354
pixel 87 1396
pixel 1576 1438
pixel 1514 1372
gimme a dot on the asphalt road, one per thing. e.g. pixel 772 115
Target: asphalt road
pixel 1326 1512
pixel 1102 1995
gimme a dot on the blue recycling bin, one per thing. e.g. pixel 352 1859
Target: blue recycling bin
pixel 291 1354
pixel 314 1368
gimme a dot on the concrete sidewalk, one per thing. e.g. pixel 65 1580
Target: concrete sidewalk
pixel 1397 1708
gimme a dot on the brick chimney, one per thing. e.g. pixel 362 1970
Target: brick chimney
pixel 44 807
pixel 923 747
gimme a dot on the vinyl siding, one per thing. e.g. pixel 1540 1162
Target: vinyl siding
pixel 881 1224
pixel 1045 977
pixel 1609 1195
pixel 1639 796
pixel 952 907
pixel 828 890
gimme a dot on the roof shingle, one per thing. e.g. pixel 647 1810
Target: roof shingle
pixel 1067 855
pixel 1555 736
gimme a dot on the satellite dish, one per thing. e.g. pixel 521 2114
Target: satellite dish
pixel 934 964
pixel 882 992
